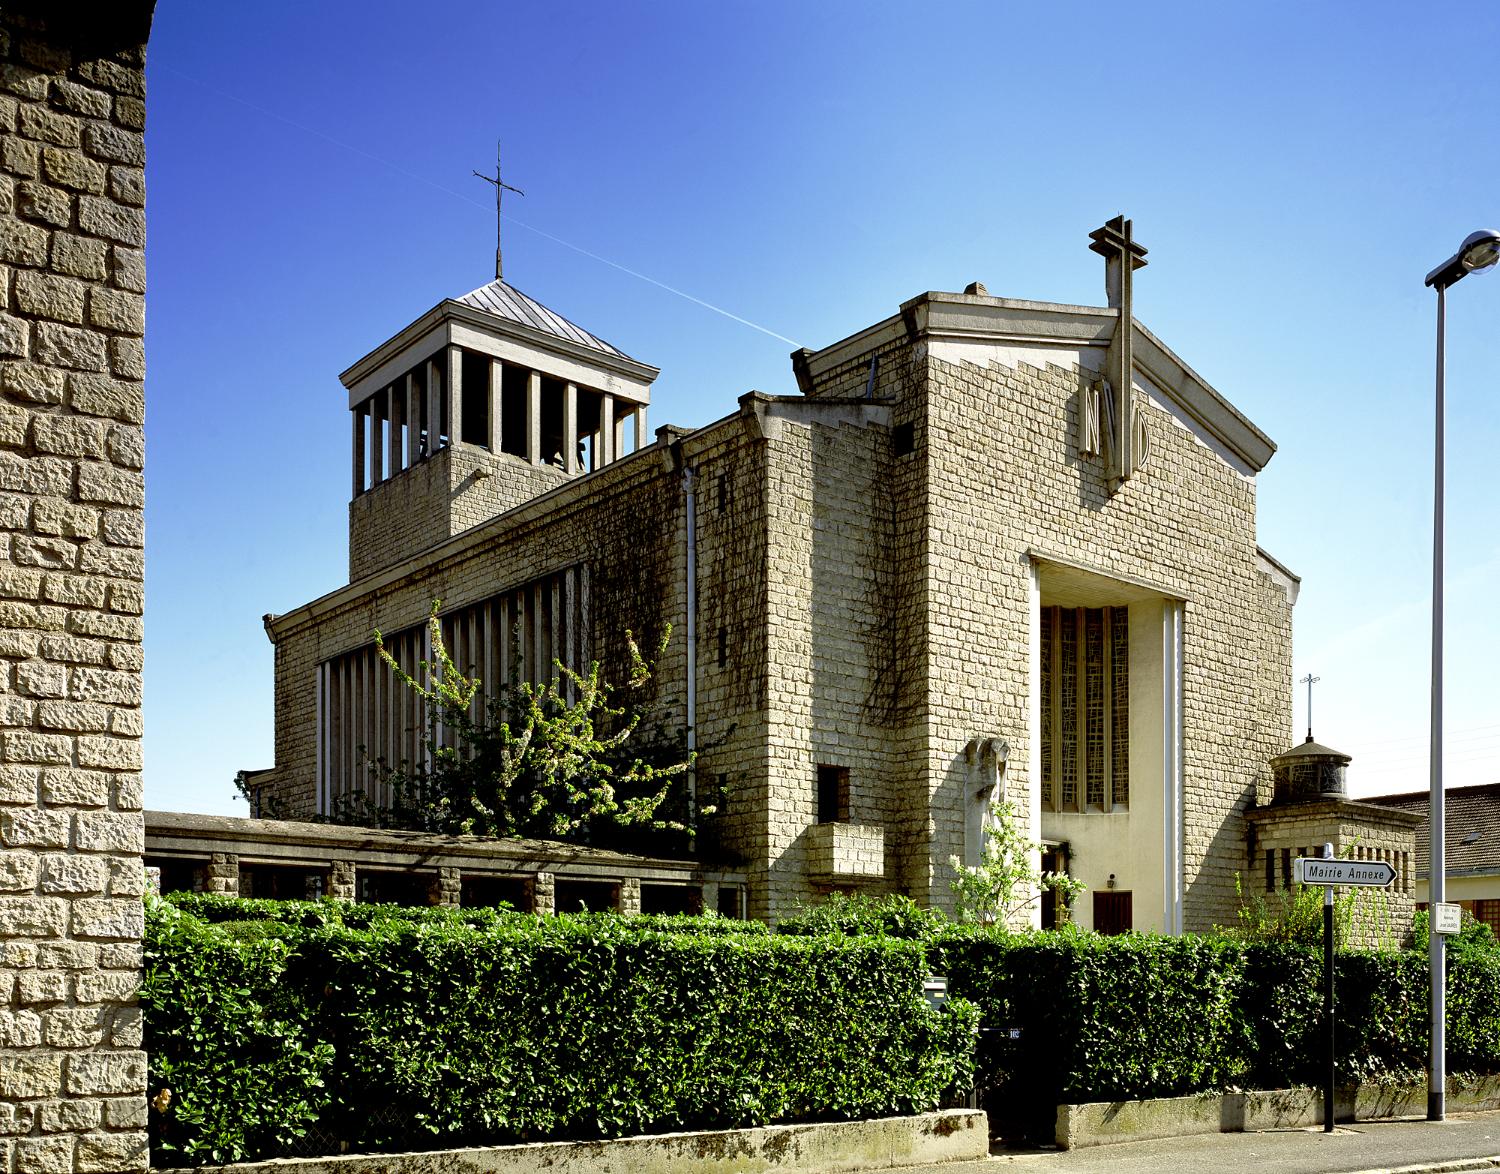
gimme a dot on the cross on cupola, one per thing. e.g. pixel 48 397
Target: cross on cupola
pixel 1125 426
pixel 501 188
pixel 1309 681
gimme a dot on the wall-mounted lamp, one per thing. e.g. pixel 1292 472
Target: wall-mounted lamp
pixel 1111 883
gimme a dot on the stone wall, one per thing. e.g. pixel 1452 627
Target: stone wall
pixel 1378 918
pixel 457 487
pixel 72 279
pixel 829 617
pixel 1006 484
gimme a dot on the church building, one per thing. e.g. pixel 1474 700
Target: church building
pixel 993 550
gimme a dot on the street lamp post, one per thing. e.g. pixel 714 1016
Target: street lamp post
pixel 1479 251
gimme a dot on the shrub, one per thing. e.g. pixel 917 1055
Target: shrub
pixel 841 913
pixel 425 1031
pixel 1079 1017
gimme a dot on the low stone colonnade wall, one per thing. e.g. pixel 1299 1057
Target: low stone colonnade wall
pixel 285 859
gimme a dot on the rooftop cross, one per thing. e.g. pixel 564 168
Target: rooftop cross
pixel 1114 242
pixel 500 189
pixel 1309 681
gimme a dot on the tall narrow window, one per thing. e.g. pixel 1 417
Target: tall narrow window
pixel 1085 708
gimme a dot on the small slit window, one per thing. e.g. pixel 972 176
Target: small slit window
pixel 833 794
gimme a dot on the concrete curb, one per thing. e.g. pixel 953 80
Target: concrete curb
pixel 1111 1122
pixel 1453 1167
pixel 953 1135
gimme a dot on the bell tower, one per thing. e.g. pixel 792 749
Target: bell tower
pixel 481 404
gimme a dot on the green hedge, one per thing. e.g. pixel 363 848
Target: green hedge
pixel 218 908
pixel 1141 1015
pixel 1082 1017
pixel 297 1032
pixel 1072 1016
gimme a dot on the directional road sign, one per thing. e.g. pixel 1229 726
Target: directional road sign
pixel 1375 874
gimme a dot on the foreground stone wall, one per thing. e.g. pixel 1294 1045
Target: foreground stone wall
pixel 884 1143
pixel 72 279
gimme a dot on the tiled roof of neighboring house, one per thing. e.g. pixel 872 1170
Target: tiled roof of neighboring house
pixel 1471 828
pixel 505 301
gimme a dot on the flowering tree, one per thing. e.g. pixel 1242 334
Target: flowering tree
pixel 1004 883
pixel 557 761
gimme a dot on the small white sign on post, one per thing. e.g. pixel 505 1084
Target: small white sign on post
pixel 1447 919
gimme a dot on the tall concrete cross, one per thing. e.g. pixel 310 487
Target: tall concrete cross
pixel 1115 244
pixel 500 189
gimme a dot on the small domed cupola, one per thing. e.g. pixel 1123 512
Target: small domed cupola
pixel 1309 772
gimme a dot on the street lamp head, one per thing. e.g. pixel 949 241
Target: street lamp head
pixel 1480 251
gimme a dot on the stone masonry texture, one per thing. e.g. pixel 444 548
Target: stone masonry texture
pixel 72 317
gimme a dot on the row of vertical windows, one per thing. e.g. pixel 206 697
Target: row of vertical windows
pixel 1085 703
pixel 365 715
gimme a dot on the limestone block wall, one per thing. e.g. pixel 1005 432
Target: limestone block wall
pixel 1379 918
pixel 731 500
pixel 1004 479
pixel 454 489
pixel 72 315
pixel 829 618
pixel 893 557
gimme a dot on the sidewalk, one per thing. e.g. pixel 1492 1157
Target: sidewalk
pixel 1469 1141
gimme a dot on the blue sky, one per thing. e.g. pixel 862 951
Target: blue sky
pixel 1294 170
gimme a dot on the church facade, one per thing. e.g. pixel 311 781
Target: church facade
pixel 993 551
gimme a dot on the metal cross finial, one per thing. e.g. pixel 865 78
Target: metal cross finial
pixel 500 189
pixel 1309 681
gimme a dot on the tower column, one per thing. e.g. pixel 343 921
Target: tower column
pixel 358 415
pixel 413 419
pixel 434 406
pixel 393 423
pixel 570 428
pixel 640 427
pixel 453 389
pixel 607 428
pixel 377 440
pixel 497 397
pixel 534 417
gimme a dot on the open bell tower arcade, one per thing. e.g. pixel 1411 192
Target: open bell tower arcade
pixel 481 404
